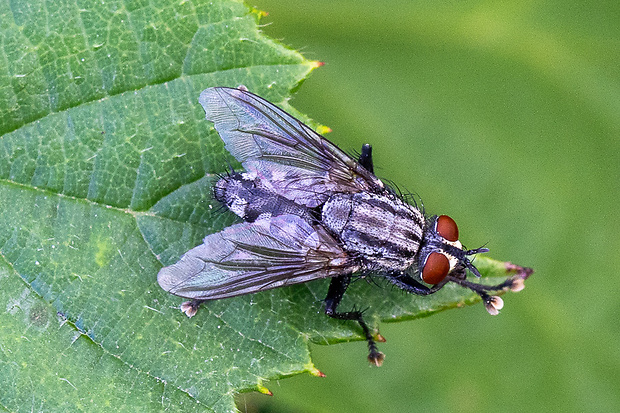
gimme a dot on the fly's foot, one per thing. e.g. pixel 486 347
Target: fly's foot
pixel 493 304
pixel 190 308
pixel 376 357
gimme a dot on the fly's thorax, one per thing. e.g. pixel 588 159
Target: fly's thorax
pixel 379 229
pixel 247 197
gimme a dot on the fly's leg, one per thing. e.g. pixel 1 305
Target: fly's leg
pixel 365 158
pixel 190 308
pixel 483 289
pixel 492 303
pixel 409 284
pixel 336 290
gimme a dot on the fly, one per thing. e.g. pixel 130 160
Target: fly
pixel 310 211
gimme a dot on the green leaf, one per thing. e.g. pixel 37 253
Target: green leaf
pixel 106 164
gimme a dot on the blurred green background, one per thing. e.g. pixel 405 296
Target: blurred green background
pixel 506 116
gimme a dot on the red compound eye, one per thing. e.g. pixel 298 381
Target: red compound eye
pixel 436 268
pixel 446 227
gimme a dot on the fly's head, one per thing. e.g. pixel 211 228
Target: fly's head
pixel 442 253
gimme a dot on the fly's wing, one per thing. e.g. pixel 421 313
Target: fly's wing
pixel 287 156
pixel 251 257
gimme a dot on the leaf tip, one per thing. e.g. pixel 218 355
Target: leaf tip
pixel 522 272
pixel 316 64
pixel 259 13
pixel 264 390
pixel 314 371
pixel 323 129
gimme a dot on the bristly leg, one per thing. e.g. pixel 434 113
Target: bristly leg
pixel 337 287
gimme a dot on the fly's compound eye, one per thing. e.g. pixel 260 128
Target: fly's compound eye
pixel 436 268
pixel 446 227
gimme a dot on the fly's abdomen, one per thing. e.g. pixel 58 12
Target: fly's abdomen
pixel 383 230
pixel 247 198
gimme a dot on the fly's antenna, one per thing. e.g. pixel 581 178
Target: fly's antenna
pixel 480 250
pixel 469 263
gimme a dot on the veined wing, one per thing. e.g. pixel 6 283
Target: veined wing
pixel 251 257
pixel 287 156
